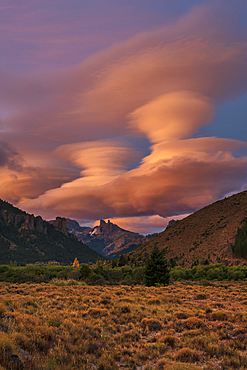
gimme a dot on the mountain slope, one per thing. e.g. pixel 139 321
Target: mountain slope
pixel 208 234
pixel 108 239
pixel 28 239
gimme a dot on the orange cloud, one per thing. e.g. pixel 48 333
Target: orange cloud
pixel 176 115
pixel 163 85
pixel 92 100
pixel 20 185
pixel 172 185
pixel 101 161
pixel 199 149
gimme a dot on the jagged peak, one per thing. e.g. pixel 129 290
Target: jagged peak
pixel 60 224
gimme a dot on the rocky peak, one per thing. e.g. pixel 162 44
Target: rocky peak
pixel 24 221
pixel 60 224
pixel 72 224
pixel 103 223
pixel 171 223
pixel 107 227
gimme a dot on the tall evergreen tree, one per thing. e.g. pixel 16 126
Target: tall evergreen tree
pixel 240 247
pixel 156 271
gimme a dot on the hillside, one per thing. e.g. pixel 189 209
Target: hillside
pixel 108 239
pixel 207 235
pixel 28 239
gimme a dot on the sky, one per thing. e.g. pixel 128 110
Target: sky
pixel 132 111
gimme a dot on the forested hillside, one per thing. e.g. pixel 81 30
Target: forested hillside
pixel 28 239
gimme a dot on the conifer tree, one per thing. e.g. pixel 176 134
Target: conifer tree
pixel 156 271
pixel 240 247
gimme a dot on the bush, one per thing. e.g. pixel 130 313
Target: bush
pixel 74 275
pixel 127 272
pixel 187 355
pixel 179 273
pixel 85 271
pixel 4 268
pixel 55 321
pixel 139 275
pixel 113 275
pixel 179 366
pixel 237 273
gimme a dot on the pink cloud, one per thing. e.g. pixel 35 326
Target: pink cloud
pixel 163 85
pixel 176 115
pixel 168 186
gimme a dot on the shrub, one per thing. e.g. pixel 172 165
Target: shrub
pixel 179 273
pixel 139 275
pixel 62 274
pixel 179 366
pixel 199 272
pixel 169 340
pixel 219 316
pixel 153 325
pixel 74 275
pixel 194 323
pixel 68 282
pixel 113 275
pixel 3 310
pixel 127 272
pixel 106 362
pixel 4 268
pixel 5 342
pixel 237 273
pixel 85 271
pixel 187 355
pixel 55 321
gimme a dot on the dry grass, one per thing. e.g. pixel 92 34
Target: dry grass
pixel 179 327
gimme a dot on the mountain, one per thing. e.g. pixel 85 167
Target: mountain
pixel 215 233
pixel 108 239
pixel 28 239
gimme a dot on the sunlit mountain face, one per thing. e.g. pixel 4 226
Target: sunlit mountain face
pixel 131 112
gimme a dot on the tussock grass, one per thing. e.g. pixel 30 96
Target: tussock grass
pixel 178 327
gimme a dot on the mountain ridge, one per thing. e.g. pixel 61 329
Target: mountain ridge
pixel 108 238
pixel 208 235
pixel 25 238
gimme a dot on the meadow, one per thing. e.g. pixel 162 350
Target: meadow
pixel 187 325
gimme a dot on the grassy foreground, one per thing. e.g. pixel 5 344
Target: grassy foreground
pixel 178 327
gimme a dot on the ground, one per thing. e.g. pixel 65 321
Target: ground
pixel 186 325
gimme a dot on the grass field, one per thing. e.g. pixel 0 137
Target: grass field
pixel 184 326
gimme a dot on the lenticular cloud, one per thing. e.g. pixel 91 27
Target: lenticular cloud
pixel 163 85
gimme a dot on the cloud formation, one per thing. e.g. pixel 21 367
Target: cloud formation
pixel 8 157
pixel 163 85
pixel 175 115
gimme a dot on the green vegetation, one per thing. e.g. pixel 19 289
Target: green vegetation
pixel 98 274
pixel 240 247
pixel 156 271
pixel 210 272
pixel 102 274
